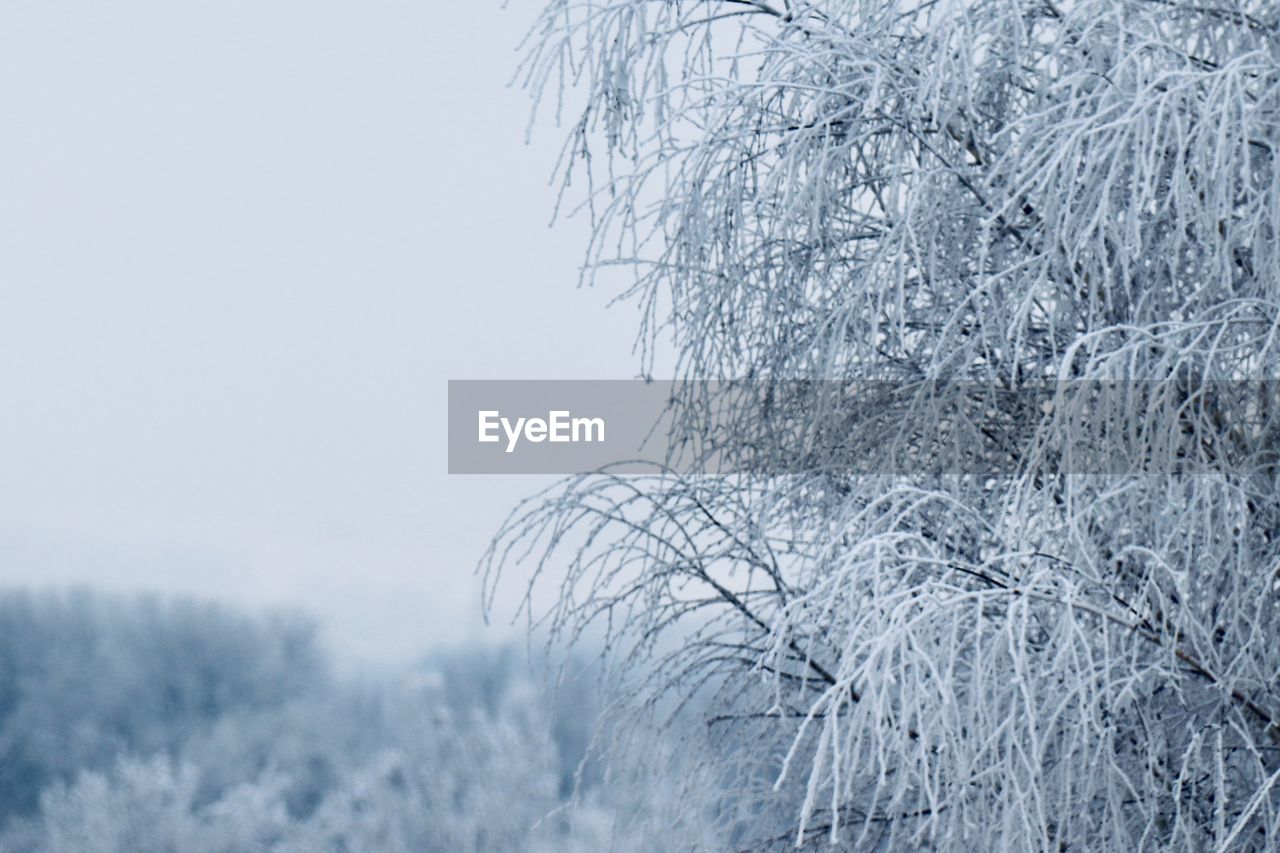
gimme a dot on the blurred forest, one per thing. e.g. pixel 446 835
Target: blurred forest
pixel 140 725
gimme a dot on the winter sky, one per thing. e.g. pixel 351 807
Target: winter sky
pixel 243 245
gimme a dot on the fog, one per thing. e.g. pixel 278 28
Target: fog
pixel 242 248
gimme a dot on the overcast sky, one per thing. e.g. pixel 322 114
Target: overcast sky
pixel 243 245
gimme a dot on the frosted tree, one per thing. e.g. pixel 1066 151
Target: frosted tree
pixel 942 196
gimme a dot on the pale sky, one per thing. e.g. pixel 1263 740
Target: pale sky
pixel 243 245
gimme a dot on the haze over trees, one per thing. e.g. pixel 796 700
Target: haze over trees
pixel 151 726
pixel 952 198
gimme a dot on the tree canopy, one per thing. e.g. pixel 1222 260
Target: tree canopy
pixel 943 196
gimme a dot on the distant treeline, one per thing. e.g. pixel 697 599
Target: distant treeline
pixel 140 724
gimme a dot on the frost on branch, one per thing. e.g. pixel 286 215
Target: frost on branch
pixel 998 191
